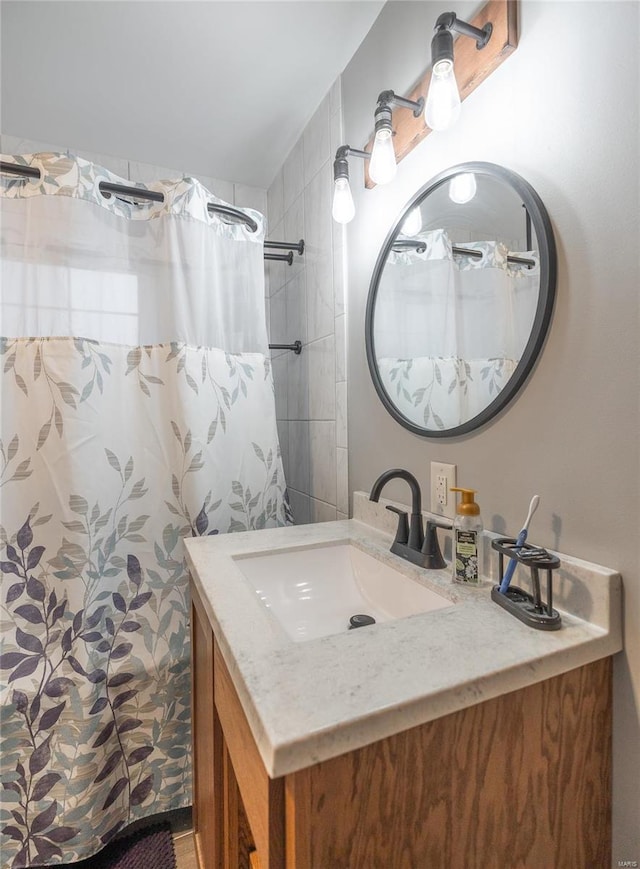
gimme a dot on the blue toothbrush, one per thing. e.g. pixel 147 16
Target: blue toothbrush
pixel 511 566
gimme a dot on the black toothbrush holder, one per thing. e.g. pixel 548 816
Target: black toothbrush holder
pixel 529 608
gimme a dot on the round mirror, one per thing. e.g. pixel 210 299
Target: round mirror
pixel 460 300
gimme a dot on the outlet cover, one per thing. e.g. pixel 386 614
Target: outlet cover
pixel 443 500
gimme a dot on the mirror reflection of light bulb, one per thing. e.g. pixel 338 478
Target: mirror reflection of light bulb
pixel 443 100
pixel 344 208
pixel 462 188
pixel 383 167
pixel 412 223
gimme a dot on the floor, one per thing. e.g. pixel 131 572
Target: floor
pixel 185 850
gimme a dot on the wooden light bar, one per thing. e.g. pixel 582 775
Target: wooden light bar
pixel 472 66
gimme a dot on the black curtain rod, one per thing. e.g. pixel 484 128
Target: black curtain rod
pixel 296 347
pixel 155 196
pixel 420 246
pixel 287 245
pixel 106 187
pixel 284 257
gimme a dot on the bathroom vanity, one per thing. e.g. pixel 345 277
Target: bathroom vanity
pixel 455 736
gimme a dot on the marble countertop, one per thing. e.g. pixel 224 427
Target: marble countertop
pixel 309 701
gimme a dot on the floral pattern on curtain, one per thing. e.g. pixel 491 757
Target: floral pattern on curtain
pixel 422 388
pixel 65 175
pixel 96 694
pixel 137 409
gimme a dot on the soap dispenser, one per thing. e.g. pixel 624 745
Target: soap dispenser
pixel 467 539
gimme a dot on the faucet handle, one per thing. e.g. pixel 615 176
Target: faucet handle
pixel 431 547
pixel 402 533
pixel 446 525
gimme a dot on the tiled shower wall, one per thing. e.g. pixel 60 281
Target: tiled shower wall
pixel 306 302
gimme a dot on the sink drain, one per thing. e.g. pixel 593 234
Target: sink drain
pixel 361 621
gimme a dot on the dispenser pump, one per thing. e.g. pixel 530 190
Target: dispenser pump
pixel 467 506
pixel 468 555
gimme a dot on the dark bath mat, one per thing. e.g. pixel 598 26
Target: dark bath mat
pixel 148 848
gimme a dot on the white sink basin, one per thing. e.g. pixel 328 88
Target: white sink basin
pixel 313 592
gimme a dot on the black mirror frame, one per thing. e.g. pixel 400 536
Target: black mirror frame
pixel 548 273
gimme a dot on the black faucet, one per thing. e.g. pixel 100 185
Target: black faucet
pixel 410 542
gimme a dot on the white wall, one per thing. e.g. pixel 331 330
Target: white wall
pixel 306 303
pixel 562 111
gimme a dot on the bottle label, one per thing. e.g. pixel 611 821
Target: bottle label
pixel 466 552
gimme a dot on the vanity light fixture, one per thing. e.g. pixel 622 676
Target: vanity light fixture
pixel 382 168
pixel 344 209
pixel 443 100
pixel 472 67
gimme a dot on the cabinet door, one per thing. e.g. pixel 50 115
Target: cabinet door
pixel 207 744
pixel 239 847
pixel 261 797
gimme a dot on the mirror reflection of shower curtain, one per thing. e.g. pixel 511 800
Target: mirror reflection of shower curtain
pixel 137 408
pixel 449 329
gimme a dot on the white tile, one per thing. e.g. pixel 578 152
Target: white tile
pixel 276 269
pixel 318 256
pixel 278 319
pixel 296 294
pixel 220 189
pixel 341 348
pixel 319 298
pixel 275 202
pixel 340 515
pixel 276 231
pixel 283 438
pixel 322 464
pixel 316 141
pixel 342 480
pixel 299 456
pixel 250 197
pixel 300 507
pixel 336 136
pixel 267 311
pixel 322 379
pixel 279 367
pixel 317 202
pixel 294 230
pixel 321 512
pixel 341 414
pixel 117 165
pixel 339 268
pixel 293 175
pixel 145 172
pixel 335 96
pixel 298 385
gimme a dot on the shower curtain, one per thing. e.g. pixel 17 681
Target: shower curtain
pixel 137 408
pixel 450 329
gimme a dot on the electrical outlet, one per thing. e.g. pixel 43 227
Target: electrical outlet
pixel 443 500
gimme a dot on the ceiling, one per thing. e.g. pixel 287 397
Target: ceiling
pixel 221 88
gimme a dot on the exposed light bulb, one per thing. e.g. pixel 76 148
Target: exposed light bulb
pixel 344 208
pixel 462 188
pixel 382 167
pixel 412 223
pixel 443 100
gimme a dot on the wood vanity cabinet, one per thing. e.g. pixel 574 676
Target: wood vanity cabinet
pixel 523 780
